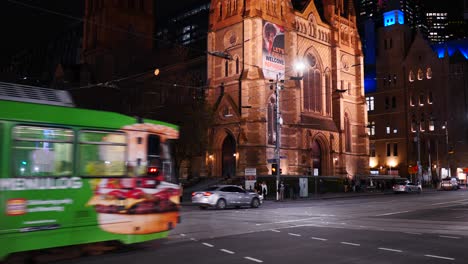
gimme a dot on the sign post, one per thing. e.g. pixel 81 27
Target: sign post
pixel 250 178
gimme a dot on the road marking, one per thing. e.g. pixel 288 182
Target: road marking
pixel 452 237
pixel 351 244
pixel 182 235
pixel 412 233
pixel 274 230
pixel 254 259
pixel 439 257
pixel 392 213
pixel 208 245
pixel 319 238
pixel 293 234
pixel 227 251
pixel 193 239
pixel 288 221
pixel 391 249
pixel 450 202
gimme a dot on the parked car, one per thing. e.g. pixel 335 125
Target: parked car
pixel 406 187
pixel 450 184
pixel 223 196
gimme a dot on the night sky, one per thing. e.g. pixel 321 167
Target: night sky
pixel 23 27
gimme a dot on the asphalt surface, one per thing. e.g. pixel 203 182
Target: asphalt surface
pixel 428 228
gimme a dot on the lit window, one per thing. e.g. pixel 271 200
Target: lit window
pixel 420 74
pixel 429 73
pixel 421 100
pixel 411 76
pixel 413 126
pixel 370 103
pixel 431 125
pixel 429 98
pixel 388 129
pixel 412 100
pixel 395 131
pixel 371 126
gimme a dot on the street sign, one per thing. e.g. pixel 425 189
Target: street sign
pixel 250 171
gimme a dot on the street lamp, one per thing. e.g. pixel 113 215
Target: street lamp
pixel 447 148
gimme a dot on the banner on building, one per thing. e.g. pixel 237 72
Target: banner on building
pixel 273 50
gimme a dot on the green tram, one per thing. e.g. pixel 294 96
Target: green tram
pixel 73 176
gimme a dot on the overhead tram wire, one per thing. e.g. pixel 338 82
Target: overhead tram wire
pixel 219 54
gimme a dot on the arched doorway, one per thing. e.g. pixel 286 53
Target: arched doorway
pixel 228 157
pixel 316 158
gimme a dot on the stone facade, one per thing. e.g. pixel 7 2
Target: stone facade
pixel 332 136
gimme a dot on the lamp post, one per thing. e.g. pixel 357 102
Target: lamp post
pixel 447 148
pixel 278 132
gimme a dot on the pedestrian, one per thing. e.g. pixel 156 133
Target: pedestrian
pixel 264 189
pixel 281 188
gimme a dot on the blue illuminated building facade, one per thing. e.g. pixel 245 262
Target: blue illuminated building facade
pixel 417 91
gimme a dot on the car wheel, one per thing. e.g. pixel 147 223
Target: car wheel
pixel 255 203
pixel 221 204
pixel 202 207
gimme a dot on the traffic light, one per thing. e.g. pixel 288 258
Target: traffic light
pixel 274 167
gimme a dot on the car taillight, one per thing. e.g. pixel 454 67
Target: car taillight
pixel 207 194
pixel 193 194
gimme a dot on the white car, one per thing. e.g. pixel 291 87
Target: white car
pixel 407 187
pixel 222 196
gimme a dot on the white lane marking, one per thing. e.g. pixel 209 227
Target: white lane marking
pixel 288 221
pixel 254 259
pixel 391 249
pixel 439 257
pixel 450 202
pixel 452 237
pixel 274 230
pixel 208 245
pixel 392 213
pixel 319 238
pixel 182 235
pixel 227 251
pixel 412 233
pixel 193 239
pixel 293 234
pixel 351 244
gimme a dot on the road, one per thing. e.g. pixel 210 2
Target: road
pixel 409 228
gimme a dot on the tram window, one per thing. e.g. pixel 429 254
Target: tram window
pixel 154 158
pixel 42 151
pixel 102 153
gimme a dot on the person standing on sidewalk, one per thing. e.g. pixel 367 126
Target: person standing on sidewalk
pixel 281 188
pixel 264 189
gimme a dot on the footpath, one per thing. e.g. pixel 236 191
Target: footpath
pixel 324 196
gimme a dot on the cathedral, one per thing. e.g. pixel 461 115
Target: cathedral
pixel 304 61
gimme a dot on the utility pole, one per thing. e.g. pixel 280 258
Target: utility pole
pixel 419 151
pixel 449 174
pixel 278 135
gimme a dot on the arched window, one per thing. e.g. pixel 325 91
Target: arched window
pixel 347 128
pixel 328 92
pixel 226 68
pixel 312 90
pixel 411 76
pixel 420 74
pixel 429 73
pixel 271 122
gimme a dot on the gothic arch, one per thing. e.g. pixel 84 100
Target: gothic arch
pixel 222 158
pixel 319 140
